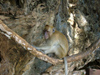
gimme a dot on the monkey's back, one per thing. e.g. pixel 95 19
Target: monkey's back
pixel 62 42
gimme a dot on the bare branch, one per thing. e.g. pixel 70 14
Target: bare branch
pixel 87 52
pixel 12 35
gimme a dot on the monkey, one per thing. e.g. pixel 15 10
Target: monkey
pixel 56 42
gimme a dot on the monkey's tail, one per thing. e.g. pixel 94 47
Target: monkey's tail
pixel 66 68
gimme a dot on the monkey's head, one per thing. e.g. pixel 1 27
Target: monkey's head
pixel 48 31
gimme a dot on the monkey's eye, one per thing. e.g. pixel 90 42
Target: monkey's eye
pixel 53 30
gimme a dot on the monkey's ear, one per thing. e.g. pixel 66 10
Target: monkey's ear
pixel 53 30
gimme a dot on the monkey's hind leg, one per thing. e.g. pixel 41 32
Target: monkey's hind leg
pixel 48 51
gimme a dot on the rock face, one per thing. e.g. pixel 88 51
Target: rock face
pixel 13 57
pixel 78 20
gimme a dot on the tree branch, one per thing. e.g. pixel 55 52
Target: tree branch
pixel 87 52
pixel 12 35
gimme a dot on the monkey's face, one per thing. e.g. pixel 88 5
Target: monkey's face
pixel 48 31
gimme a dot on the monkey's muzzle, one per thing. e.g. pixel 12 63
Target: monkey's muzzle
pixel 46 34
